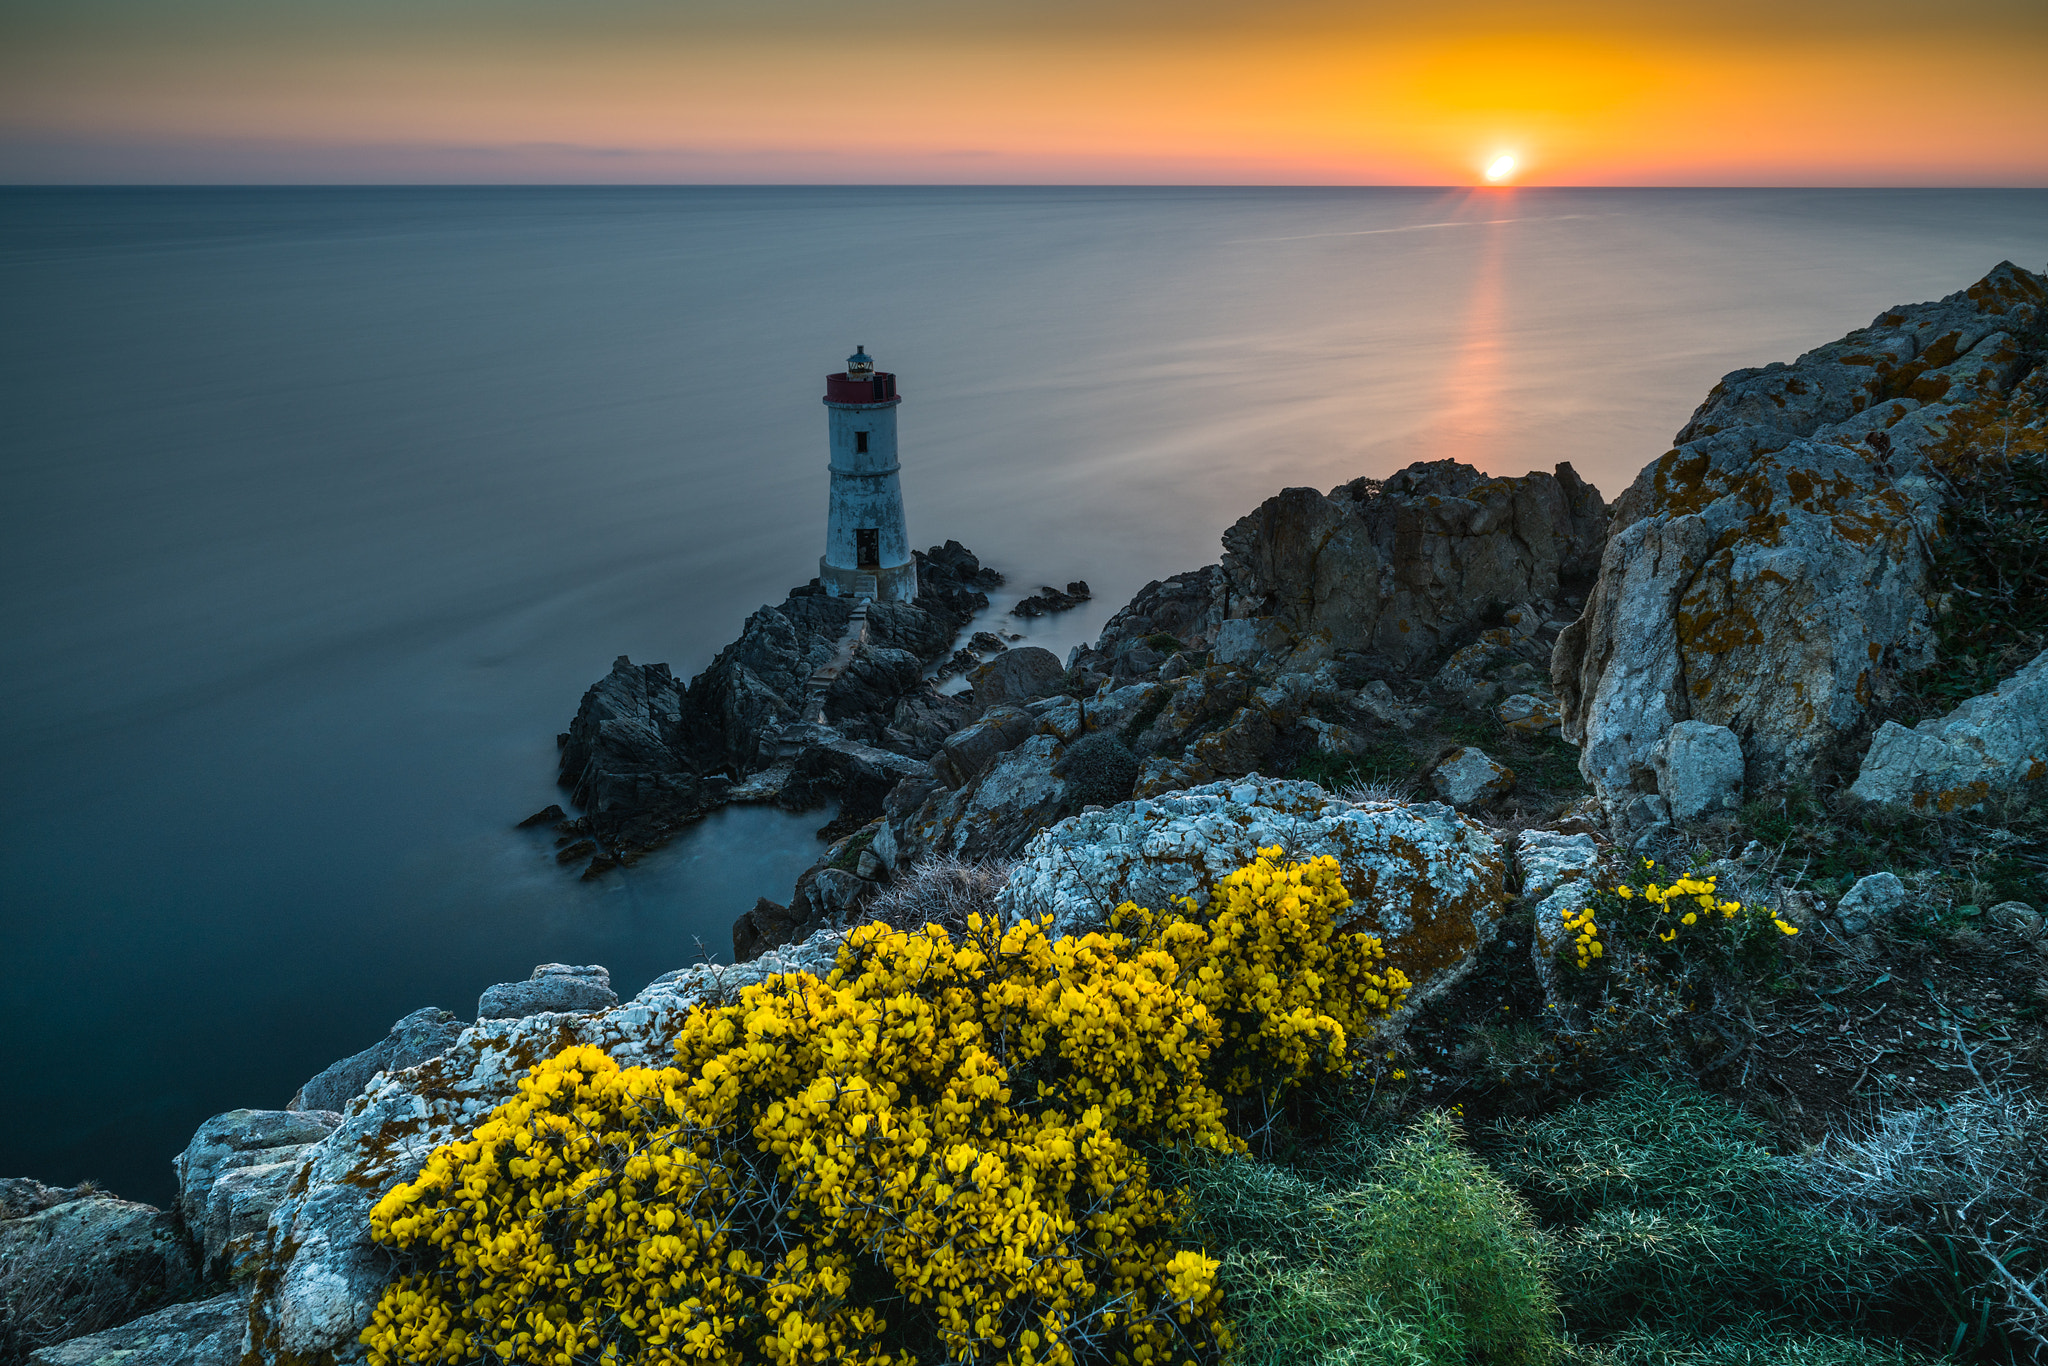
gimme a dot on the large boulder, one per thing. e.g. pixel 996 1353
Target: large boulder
pixel 232 1175
pixel 1993 743
pixel 1405 568
pixel 1469 777
pixel 1422 878
pixel 322 1276
pixel 419 1036
pixel 552 988
pixel 1769 574
pixel 197 1333
pixel 82 1265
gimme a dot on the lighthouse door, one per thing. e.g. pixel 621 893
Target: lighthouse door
pixel 867 547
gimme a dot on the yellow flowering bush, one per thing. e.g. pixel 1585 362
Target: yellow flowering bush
pixel 928 1155
pixel 1672 920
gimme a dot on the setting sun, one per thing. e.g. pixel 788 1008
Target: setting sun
pixel 1503 166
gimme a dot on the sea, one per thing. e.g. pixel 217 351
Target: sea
pixel 320 508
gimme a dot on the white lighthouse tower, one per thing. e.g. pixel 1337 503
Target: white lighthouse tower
pixel 867 549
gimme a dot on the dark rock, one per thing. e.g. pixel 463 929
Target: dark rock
pixel 969 752
pixel 81 1266
pixel 549 814
pixel 426 1033
pixel 575 850
pixel 1016 677
pixel 198 1333
pixel 769 925
pixel 1406 568
pixel 986 642
pixel 1187 607
pixel 552 987
pixel 1048 599
pixel 1079 589
pixel 20 1196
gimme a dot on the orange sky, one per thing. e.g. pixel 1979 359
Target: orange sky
pixel 1124 91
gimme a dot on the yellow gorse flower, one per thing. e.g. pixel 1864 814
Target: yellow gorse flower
pixel 950 1123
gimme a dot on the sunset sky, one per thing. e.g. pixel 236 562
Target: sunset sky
pixel 1737 92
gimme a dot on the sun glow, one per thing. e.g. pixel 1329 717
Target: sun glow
pixel 1503 166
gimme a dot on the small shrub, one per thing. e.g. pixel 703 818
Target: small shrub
pixel 1100 770
pixel 1675 1216
pixel 940 890
pixel 1970 1180
pixel 1427 1259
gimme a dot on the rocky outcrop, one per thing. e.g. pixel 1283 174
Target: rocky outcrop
pixel 1769 574
pixel 1016 677
pixel 199 1333
pixel 414 1039
pixel 321 1274
pixel 1993 743
pixel 1406 568
pixel 1426 881
pixel 78 1266
pixel 232 1175
pixel 647 754
pixel 552 988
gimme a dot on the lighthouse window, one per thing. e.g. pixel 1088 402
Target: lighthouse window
pixel 867 544
pixel 860 443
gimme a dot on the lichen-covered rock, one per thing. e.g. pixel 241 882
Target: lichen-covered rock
pixel 322 1275
pixel 1699 770
pixel 1425 880
pixel 83 1265
pixel 1764 575
pixel 233 1173
pixel 1870 902
pixel 969 752
pixel 1993 743
pixel 1529 714
pixel 197 1333
pixel 1403 568
pixel 1469 777
pixel 414 1039
pixel 552 987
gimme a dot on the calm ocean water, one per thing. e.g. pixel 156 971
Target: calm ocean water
pixel 322 507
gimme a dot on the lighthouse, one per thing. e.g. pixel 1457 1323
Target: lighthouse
pixel 867 549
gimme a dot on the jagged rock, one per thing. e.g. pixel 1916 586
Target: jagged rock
pixel 1403 568
pixel 83 1265
pixel 322 1275
pixel 969 752
pixel 197 1333
pixel 1468 777
pixel 235 1170
pixel 993 816
pixel 21 1195
pixel 1187 607
pixel 626 760
pixel 414 1039
pixel 1870 902
pixel 553 987
pixel 1528 714
pixel 1765 577
pixel 859 775
pixel 987 643
pixel 1699 770
pixel 1241 640
pixel 1426 881
pixel 1016 677
pixel 769 925
pixel 1996 742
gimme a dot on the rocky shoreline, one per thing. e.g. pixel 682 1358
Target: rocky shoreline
pixel 1484 696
